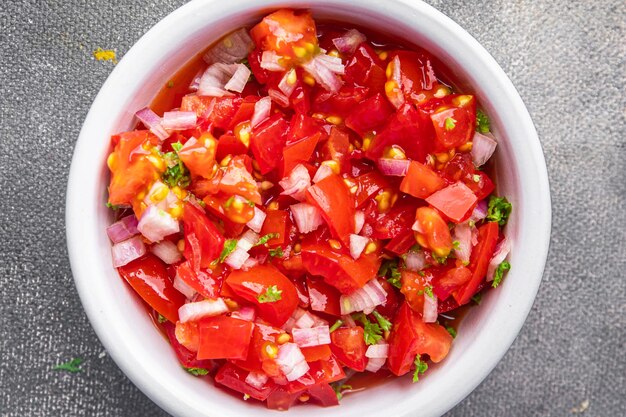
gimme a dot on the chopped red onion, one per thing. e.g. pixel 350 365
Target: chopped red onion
pixel 463 235
pixel 364 299
pixel 231 48
pixel 215 78
pixel 239 79
pixel 480 211
pixel 155 224
pixel 349 41
pixel 357 245
pixel 291 361
pixel 378 351
pixel 348 321
pixel 250 263
pixel 239 256
pixel 502 250
pixel 278 97
pixel 199 309
pixel 257 221
pixel 317 300
pixel 262 110
pixel 286 84
pixel 123 229
pixel 324 69
pixel 290 323
pixel 393 167
pixel 374 364
pixel 415 261
pixel 305 321
pixel 196 251
pixel 248 240
pixel 430 309
pixel 313 336
pixel 397 97
pixel 483 147
pixel 196 81
pixel 256 379
pixel 127 251
pixel 152 122
pixel 322 172
pixel 296 183
pixel 244 313
pixel 417 227
pixel 307 217
pixel 166 251
pixel 359 221
pixel 270 61
pixel 179 120
pixel 183 287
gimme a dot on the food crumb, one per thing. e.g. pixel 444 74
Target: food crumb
pixel 102 354
pixel 581 408
pixel 105 55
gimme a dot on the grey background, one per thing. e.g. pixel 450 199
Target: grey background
pixel 566 59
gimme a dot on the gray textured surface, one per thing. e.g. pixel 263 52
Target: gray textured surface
pixel 566 59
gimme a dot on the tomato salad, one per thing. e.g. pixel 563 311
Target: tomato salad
pixel 314 206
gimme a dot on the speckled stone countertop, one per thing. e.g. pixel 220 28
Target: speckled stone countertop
pixel 566 58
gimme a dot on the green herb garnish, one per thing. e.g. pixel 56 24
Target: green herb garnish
pixel 277 252
pixel 112 206
pixel 229 247
pixel 372 332
pixel 477 298
pixel 389 270
pixel 452 331
pixel 177 146
pixel 271 295
pixel 72 366
pixel 499 210
pixel 197 371
pixel 335 326
pixel 382 321
pixel 176 175
pixel 449 123
pixel 266 238
pixel 482 122
pixel 498 275
pixel 339 388
pixel 420 368
pixel 429 291
pixel 161 319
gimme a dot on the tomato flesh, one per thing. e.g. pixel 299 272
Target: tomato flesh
pixel 348 346
pixel 223 337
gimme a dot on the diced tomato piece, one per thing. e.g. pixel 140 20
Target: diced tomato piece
pixel 369 114
pixel 263 347
pixel 433 232
pixel 479 261
pixel 186 357
pixel 199 156
pixel 348 346
pixel 421 181
pixel 204 282
pixel 389 307
pixel 366 69
pixel 148 277
pixel 201 105
pixel 299 152
pixel 289 33
pixel 332 196
pixel 416 75
pixel 203 242
pixel 456 201
pixel 324 395
pixel 320 372
pixel 401 243
pixel 391 223
pixel 253 283
pixel 338 268
pixel 238 180
pixel 340 103
pixel 223 337
pixel 234 378
pixel 229 145
pixel 244 112
pixel 481 185
pixel 281 399
pixel 411 336
pixel 368 185
pixel 413 286
pixel 337 147
pixel 323 297
pixel 316 353
pixel 254 59
pixel 450 281
pixel 454 125
pixel 277 222
pixel 267 142
pixel 131 172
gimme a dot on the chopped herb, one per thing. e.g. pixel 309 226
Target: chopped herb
pixel 482 122
pixel 161 319
pixel 265 238
pixel 177 146
pixel 339 388
pixel 499 274
pixel 389 270
pixel 451 331
pixel 449 123
pixel 421 273
pixel 429 291
pixel 229 247
pixel 477 298
pixel 439 259
pixel 271 295
pixel 72 366
pixel 372 332
pixel 382 321
pixel 229 202
pixel 499 210
pixel 197 371
pixel 176 175
pixel 277 253
pixel 335 326
pixel 112 206
pixel 456 244
pixel 420 368
pixel 250 203
pixel 170 84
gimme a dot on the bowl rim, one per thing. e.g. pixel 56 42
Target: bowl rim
pixel 77 209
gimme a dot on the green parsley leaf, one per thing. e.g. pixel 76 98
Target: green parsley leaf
pixel 335 326
pixel 429 291
pixel 177 175
pixel 265 238
pixel 382 321
pixel 389 270
pixel 277 253
pixel 499 274
pixel 229 247
pixel 420 368
pixel 482 122
pixel 250 203
pixel 499 210
pixel 112 206
pixel 177 146
pixel 477 298
pixel 451 331
pixel 372 332
pixel 339 388
pixel 161 319
pixel 72 366
pixel 456 244
pixel 449 123
pixel 197 371
pixel 271 295
pixel 439 259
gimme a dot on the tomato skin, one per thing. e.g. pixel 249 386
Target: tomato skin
pixel 456 201
pixel 416 75
pixel 413 286
pixel 455 124
pixel 285 30
pixel 450 281
pixel 332 196
pixel 368 185
pixel 148 277
pixel 316 353
pixel 338 268
pixel 205 283
pixel 238 180
pixel 482 253
pixel 389 307
pixel 338 104
pixel 255 281
pixel 366 69
pixel 348 346
pixel 267 142
pixel 279 223
pixel 401 243
pixel 390 224
pixel 229 145
pixel 434 233
pixel 210 240
pixel 421 181
pixel 326 296
pixel 234 378
pixel 223 337
pixel 411 336
pixel 130 172
pixel 262 337
pixel 186 357
pixel 369 114
pixel 299 152
pixel 320 372
pixel 199 158
pixel 324 395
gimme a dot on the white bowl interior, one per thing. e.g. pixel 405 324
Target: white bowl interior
pixel 121 321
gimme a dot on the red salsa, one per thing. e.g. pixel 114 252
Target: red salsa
pixel 306 209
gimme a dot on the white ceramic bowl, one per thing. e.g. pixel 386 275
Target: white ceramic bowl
pixel 122 323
